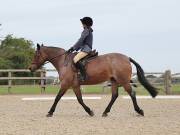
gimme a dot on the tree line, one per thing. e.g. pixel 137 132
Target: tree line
pixel 16 53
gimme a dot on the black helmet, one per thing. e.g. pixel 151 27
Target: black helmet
pixel 87 21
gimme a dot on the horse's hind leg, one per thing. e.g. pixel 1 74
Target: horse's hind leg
pixel 78 94
pixel 114 89
pixel 132 94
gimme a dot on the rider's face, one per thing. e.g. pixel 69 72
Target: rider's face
pixel 84 25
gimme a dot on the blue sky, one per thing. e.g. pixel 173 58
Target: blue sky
pixel 148 31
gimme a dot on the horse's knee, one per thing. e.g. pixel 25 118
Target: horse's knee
pixel 65 85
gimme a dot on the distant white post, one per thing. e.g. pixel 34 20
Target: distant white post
pixel 43 81
pixel 9 81
pixel 167 82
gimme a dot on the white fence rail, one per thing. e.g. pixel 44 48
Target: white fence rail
pixel 167 76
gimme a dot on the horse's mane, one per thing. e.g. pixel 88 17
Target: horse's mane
pixel 53 47
pixel 53 50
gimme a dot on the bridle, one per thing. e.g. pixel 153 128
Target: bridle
pixel 56 57
pixel 48 61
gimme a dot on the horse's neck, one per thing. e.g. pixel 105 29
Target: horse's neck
pixel 55 57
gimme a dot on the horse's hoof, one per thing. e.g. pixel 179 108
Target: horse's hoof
pixel 141 112
pixel 104 115
pixel 49 115
pixel 91 113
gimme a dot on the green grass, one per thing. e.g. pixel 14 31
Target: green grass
pixel 28 90
pixel 176 89
pixel 140 90
pixel 95 89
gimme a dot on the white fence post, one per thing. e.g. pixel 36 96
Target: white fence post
pixel 43 81
pixel 9 81
pixel 167 82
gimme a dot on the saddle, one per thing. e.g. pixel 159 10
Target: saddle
pixel 92 55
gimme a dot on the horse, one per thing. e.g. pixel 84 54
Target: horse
pixel 113 67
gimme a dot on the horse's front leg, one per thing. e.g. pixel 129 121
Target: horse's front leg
pixel 58 97
pixel 78 94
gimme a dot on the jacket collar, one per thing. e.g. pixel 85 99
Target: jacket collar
pixel 90 29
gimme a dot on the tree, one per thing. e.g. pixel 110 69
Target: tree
pixel 15 53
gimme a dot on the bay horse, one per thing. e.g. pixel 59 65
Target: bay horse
pixel 113 67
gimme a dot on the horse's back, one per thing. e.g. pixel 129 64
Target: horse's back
pixel 112 57
pixel 115 60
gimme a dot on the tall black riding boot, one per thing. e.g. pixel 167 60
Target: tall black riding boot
pixel 82 69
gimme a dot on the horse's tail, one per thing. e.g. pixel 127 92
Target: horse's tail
pixel 142 79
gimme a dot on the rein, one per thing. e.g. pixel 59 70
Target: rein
pixel 55 57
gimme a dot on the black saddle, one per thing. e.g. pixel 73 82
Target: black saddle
pixel 92 55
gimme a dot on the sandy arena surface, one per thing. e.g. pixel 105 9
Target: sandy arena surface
pixel 17 117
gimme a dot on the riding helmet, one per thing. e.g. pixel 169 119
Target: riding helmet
pixel 87 21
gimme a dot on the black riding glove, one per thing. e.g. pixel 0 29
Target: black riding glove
pixel 70 50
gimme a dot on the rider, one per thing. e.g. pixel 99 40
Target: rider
pixel 84 44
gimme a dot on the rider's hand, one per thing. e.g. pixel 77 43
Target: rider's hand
pixel 70 50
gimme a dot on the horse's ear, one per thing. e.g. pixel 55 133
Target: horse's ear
pixel 42 45
pixel 38 46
